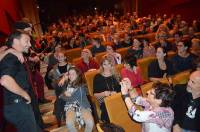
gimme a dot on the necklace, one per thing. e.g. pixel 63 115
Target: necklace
pixel 109 88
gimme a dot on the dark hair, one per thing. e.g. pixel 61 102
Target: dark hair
pixel 12 36
pixel 179 33
pixel 187 43
pixel 164 92
pixel 79 80
pixel 130 59
pixel 98 40
pixel 164 51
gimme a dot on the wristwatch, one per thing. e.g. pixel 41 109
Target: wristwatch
pixel 124 96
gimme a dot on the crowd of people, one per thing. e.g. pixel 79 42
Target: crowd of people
pixel 166 107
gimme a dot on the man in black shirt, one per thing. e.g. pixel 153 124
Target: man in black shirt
pixel 17 88
pixel 186 105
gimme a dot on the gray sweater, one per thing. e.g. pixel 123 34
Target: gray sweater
pixel 80 95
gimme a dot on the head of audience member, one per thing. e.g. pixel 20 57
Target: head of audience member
pixel 161 95
pixel 96 42
pixel 191 31
pixel 178 36
pixel 24 27
pixel 86 54
pixel 75 77
pixel 20 41
pixel 195 44
pixel 61 56
pixel 162 36
pixel 183 46
pixel 193 85
pixel 161 53
pixel 145 43
pixel 136 44
pixel 107 67
pixel 110 49
pixel 130 61
pixel 56 50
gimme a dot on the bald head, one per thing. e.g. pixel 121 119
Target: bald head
pixel 194 83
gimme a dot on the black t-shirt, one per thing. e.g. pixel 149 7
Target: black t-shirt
pixel 182 63
pixel 12 67
pixel 63 69
pixel 96 50
pixel 155 71
pixel 101 84
pixel 186 109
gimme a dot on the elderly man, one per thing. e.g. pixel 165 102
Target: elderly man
pixel 17 87
pixel 186 105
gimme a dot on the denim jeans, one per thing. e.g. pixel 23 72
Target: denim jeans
pixel 87 116
pixel 21 116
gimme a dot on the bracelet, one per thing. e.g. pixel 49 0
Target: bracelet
pixel 124 96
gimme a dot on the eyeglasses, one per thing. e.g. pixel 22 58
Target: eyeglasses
pixel 179 45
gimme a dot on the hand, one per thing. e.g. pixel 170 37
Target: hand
pixel 125 85
pixel 27 98
pixel 17 54
pixel 3 48
pixel 63 79
pixel 113 92
pixel 177 128
pixel 66 93
pixel 133 93
pixel 107 93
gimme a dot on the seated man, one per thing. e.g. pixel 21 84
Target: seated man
pixel 186 105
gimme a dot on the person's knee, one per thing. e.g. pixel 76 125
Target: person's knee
pixel 89 123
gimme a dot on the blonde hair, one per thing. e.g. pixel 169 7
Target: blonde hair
pixel 113 71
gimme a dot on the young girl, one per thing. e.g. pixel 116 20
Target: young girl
pixel 157 115
pixel 77 106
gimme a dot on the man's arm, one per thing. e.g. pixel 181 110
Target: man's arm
pixel 10 84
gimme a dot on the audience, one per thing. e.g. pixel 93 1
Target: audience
pixel 161 67
pixel 87 62
pixel 157 115
pixel 97 46
pixel 186 105
pixel 106 83
pixel 183 60
pixel 132 72
pixel 113 55
pixel 77 107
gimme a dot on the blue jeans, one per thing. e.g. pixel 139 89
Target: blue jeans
pixel 87 116
pixel 21 116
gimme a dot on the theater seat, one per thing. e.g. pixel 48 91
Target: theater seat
pixel 122 51
pixel 73 53
pixel 118 68
pixel 89 77
pixel 181 78
pixel 143 64
pixel 99 56
pixel 76 60
pixel 118 113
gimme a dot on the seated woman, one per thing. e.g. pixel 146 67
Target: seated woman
pixel 132 72
pixel 87 62
pixel 136 49
pixel 97 46
pixel 105 84
pixel 77 106
pixel 161 67
pixel 184 60
pixel 116 57
pixel 157 115
pixel 148 49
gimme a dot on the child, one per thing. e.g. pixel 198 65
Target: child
pixel 77 106
pixel 157 116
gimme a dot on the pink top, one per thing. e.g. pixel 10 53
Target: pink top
pixel 135 77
